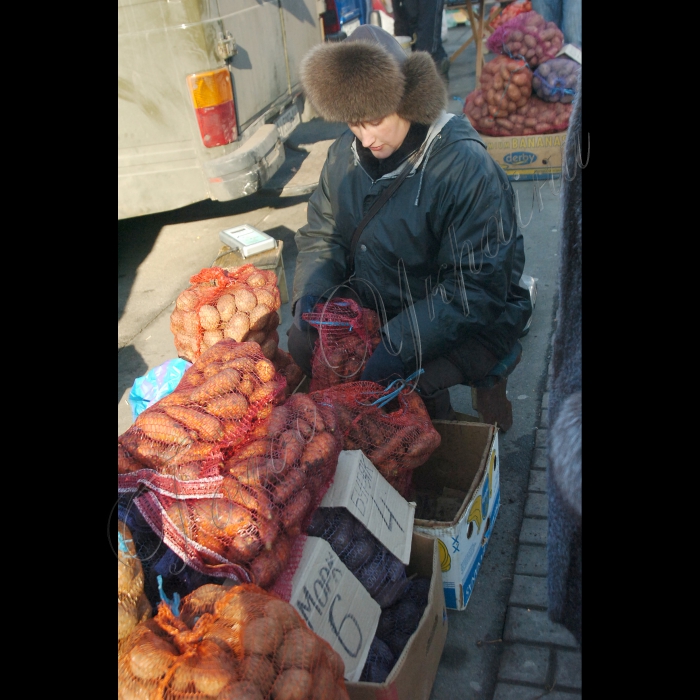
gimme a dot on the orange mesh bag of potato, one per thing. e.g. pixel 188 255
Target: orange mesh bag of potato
pixel 246 527
pixel 229 643
pixel 347 336
pixel 239 304
pixel 175 446
pixel 392 427
pixel 527 36
pixel 506 84
pixel 133 605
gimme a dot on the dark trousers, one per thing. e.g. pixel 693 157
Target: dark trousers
pixel 424 19
pixel 468 364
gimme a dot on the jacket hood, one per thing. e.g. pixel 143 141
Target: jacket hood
pixel 369 76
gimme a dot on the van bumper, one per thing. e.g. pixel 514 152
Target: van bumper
pixel 247 169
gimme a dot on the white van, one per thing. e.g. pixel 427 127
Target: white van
pixel 208 92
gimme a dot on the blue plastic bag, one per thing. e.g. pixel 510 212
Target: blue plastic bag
pixel 155 384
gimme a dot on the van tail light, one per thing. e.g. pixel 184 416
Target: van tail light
pixel 331 23
pixel 212 96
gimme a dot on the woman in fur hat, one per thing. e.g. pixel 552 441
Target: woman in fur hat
pixel 442 256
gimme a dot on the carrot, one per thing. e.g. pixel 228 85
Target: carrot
pixel 293 512
pixel 318 451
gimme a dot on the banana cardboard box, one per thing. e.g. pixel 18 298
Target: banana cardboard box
pixel 458 496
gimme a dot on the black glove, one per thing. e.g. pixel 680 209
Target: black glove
pixel 382 367
pixel 304 306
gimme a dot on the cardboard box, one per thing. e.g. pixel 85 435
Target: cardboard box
pixel 536 157
pixel 465 463
pixel 415 670
pixel 335 605
pixel 369 497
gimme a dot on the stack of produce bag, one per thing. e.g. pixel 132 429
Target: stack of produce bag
pixel 228 643
pixel 520 91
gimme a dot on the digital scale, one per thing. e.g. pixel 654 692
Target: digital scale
pixel 247 240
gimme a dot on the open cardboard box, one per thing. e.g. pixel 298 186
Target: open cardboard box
pixel 414 672
pixel 464 473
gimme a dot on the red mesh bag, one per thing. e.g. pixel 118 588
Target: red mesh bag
pixel 396 437
pixel 246 527
pixel 239 304
pixel 506 84
pixel 527 36
pixel 176 445
pixel 534 118
pixel 510 11
pixel 347 336
pixel 229 643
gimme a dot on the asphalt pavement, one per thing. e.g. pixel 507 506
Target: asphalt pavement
pixel 502 646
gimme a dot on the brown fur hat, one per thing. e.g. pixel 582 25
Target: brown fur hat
pixel 369 76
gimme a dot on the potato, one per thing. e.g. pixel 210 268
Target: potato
pixel 237 326
pixel 257 279
pixel 187 300
pixel 212 337
pixel 266 297
pixel 287 618
pixel 324 684
pixel 258 669
pixel 258 337
pixel 190 322
pixel 300 649
pixel 241 690
pixel 265 370
pixel 151 657
pixel 245 300
pixel 292 684
pixel 226 306
pixel 209 317
pixel 259 317
pixel 262 635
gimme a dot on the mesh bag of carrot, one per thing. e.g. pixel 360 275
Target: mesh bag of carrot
pixel 391 426
pixel 240 304
pixel 246 527
pixel 176 445
pixel 347 336
pixel 228 643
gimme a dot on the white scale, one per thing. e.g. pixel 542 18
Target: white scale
pixel 247 240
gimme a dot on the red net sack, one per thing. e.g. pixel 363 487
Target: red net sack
pixel 239 304
pixel 348 335
pixel 556 80
pixel 534 118
pixel 176 445
pixel 396 437
pixel 527 36
pixel 229 643
pixel 246 527
pixel 510 11
pixel 506 84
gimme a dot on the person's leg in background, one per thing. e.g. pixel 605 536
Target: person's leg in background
pixel 429 34
pixel 301 346
pixel 551 10
pixel 470 363
pixel 405 17
pixel 571 23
